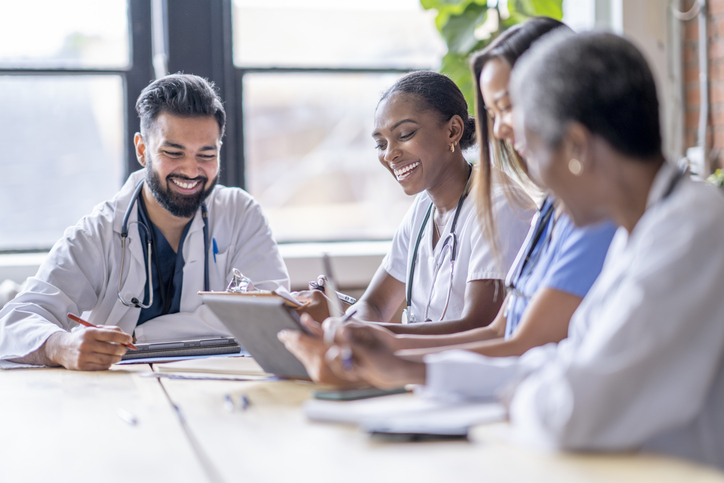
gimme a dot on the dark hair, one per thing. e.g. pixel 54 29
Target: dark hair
pixel 509 46
pixel 440 94
pixel 613 92
pixel 181 95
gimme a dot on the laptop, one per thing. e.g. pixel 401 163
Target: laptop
pixel 254 322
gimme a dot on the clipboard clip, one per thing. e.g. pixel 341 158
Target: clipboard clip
pixel 240 283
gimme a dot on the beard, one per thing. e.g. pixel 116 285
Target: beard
pixel 182 206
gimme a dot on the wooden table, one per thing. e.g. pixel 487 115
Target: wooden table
pixel 65 426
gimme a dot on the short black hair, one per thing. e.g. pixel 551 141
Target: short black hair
pixel 597 79
pixel 183 95
pixel 440 94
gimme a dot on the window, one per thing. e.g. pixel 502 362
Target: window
pixel 312 74
pixel 62 120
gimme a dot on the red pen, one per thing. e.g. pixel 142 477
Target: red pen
pixel 88 324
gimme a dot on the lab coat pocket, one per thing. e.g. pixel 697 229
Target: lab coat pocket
pixel 218 272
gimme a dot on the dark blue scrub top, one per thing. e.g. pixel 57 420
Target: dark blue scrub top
pixel 172 270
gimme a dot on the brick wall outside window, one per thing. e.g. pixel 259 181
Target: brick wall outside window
pixel 715 132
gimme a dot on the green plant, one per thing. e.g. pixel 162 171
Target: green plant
pixel 467 26
pixel 717 179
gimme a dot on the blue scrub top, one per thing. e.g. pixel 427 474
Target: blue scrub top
pixel 172 270
pixel 568 260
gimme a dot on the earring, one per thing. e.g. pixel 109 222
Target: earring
pixel 575 167
pixel 452 147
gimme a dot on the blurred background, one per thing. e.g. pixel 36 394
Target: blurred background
pixel 300 81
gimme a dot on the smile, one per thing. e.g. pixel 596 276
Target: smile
pixel 404 172
pixel 185 185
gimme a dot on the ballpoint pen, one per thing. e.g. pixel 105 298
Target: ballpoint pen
pixel 75 318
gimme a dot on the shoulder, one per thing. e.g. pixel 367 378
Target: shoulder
pixel 231 201
pixel 584 238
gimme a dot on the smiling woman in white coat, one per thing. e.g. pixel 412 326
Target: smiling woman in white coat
pixel 137 263
pixel 643 364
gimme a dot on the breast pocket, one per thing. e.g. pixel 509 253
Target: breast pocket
pixel 218 271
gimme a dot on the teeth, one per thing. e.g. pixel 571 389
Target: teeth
pixel 187 186
pixel 402 172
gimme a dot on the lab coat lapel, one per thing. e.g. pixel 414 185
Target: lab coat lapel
pixel 193 252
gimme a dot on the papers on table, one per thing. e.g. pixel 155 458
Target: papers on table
pixel 240 366
pixel 405 413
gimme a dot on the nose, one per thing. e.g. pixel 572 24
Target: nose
pixel 391 153
pixel 189 167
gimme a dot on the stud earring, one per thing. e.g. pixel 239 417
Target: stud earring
pixel 575 167
pixel 452 147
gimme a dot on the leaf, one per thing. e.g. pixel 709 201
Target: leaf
pixel 532 8
pixel 459 30
pixel 456 68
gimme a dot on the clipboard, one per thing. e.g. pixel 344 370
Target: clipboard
pixel 287 298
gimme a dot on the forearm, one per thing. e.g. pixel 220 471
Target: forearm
pixel 367 312
pixel 413 341
pixel 46 354
pixel 432 328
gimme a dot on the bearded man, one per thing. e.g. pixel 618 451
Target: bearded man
pixel 135 265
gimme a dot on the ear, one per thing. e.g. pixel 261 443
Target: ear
pixel 140 148
pixel 577 145
pixel 455 127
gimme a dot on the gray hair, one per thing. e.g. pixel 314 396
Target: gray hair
pixel 597 79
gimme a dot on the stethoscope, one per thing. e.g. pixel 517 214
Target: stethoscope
pixel 149 236
pixel 523 259
pixel 449 244
pixel 543 217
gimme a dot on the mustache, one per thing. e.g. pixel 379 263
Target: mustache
pixel 186 178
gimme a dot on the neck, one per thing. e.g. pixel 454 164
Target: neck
pixel 632 190
pixel 171 226
pixel 446 193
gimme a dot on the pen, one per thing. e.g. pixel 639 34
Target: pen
pixel 216 248
pixel 88 324
pixel 348 299
pixel 346 353
pixel 127 417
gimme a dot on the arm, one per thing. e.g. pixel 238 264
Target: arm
pixel 483 299
pixel 545 320
pixel 384 295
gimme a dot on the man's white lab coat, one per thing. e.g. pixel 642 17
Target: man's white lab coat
pixel 82 272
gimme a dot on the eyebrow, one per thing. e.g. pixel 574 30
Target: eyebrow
pixel 180 146
pixel 395 126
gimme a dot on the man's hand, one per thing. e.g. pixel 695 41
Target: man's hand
pixel 310 351
pixel 86 350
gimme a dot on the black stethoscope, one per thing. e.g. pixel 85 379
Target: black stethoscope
pixel 542 218
pixel 124 236
pixel 449 244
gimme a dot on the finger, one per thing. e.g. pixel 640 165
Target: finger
pixel 288 336
pixel 314 327
pixel 111 335
pixel 90 345
pixel 97 359
pixel 333 359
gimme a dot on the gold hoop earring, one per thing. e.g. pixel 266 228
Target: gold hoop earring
pixel 452 147
pixel 575 167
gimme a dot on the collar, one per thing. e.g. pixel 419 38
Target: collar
pixel 661 187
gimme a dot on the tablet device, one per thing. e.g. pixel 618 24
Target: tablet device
pixel 183 348
pixel 255 323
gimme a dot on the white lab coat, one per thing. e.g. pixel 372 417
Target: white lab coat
pixel 643 366
pixel 82 272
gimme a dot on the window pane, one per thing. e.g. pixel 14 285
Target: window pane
pixel 310 157
pixel 335 33
pixel 68 33
pixel 63 153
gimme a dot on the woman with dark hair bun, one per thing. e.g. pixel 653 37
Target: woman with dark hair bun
pixel 441 266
